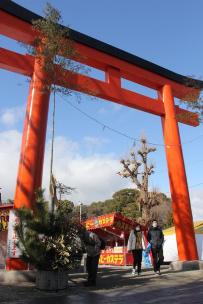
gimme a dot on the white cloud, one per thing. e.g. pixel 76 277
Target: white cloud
pixel 102 111
pixel 11 116
pixel 9 156
pixel 196 197
pixel 94 176
pixel 94 142
pixel 114 107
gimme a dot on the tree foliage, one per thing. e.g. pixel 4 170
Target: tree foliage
pixel 126 201
pixel 55 52
pixel 49 241
pixel 193 101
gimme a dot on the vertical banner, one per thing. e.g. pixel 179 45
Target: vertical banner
pixel 12 250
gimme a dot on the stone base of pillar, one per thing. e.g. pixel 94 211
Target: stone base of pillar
pixel 186 265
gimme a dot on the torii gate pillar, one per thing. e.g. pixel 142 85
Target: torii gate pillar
pixel 182 213
pixel 29 177
pixel 33 142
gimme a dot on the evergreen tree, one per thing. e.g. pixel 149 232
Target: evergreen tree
pixel 49 241
pixel 126 201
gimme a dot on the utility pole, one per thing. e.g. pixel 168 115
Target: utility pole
pixel 81 212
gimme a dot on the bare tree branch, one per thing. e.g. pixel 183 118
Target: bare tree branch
pixel 139 171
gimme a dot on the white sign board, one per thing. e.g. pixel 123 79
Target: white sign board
pixel 171 251
pixel 170 248
pixel 12 250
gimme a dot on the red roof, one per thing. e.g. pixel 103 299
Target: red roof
pixel 110 224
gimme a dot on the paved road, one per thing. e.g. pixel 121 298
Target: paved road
pixel 115 285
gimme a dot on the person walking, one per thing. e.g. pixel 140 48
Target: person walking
pixel 93 248
pixel 136 246
pixel 156 238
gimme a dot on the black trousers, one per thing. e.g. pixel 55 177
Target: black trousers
pixel 158 258
pixel 92 268
pixel 137 259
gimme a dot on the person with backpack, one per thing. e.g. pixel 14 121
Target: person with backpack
pixel 136 246
pixel 93 249
pixel 156 239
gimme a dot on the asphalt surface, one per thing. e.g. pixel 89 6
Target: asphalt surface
pixel 115 285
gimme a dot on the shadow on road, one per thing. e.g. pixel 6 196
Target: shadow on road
pixel 115 286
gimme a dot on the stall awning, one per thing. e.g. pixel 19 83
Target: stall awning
pixel 114 224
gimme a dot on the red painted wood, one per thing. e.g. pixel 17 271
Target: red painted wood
pixel 182 214
pixel 17 29
pixel 109 90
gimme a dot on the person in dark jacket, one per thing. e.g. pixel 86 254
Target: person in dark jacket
pixel 156 238
pixel 93 248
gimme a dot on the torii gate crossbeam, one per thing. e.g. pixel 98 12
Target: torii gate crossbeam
pixel 16 23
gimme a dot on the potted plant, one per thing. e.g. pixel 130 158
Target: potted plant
pixel 50 242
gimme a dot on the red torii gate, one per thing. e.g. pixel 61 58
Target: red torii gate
pixel 16 23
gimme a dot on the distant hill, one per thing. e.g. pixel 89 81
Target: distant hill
pixel 125 201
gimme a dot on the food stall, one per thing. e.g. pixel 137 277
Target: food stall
pixel 114 228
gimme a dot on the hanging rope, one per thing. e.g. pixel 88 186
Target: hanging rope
pixel 133 139
pixel 52 183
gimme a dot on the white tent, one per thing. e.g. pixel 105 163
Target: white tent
pixel 170 246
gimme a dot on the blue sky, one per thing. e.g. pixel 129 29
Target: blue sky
pixel 168 33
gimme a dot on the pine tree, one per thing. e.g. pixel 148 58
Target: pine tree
pixel 49 241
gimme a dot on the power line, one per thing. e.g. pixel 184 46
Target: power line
pixel 123 134
pixel 105 126
pixel 189 187
pixel 194 139
pixel 186 164
pixel 195 185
